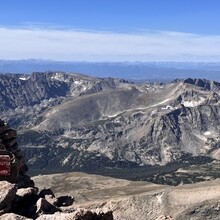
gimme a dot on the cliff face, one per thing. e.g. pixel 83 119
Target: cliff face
pixel 68 121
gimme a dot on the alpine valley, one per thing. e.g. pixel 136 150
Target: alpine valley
pixel 160 132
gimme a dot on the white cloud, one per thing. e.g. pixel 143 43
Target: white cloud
pixel 84 45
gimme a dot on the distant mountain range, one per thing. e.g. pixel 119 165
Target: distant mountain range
pixel 136 71
pixel 77 122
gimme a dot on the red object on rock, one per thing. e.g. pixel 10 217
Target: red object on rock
pixel 5 165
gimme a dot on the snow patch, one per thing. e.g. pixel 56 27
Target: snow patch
pixel 169 107
pixel 77 82
pixel 207 133
pixel 24 78
pixel 193 103
pixel 112 116
pixel 34 146
pixel 84 88
pixel 59 77
pixel 139 108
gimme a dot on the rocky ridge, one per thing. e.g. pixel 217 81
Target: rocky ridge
pixel 72 121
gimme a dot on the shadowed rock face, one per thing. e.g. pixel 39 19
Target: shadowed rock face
pixel 71 121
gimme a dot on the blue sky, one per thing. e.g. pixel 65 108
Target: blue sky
pixel 110 30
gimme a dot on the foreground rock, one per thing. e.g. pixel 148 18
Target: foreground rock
pixel 12 216
pixel 26 203
pixel 45 207
pixel 80 215
pixel 7 195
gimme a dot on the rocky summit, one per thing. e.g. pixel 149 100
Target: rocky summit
pixel 27 203
pixel 75 122
pixel 137 200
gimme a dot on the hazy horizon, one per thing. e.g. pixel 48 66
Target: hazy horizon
pixel 111 31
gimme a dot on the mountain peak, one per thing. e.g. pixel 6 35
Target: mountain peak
pixel 203 83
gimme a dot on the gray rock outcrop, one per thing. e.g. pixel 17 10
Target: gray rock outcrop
pixel 26 203
pixel 12 216
pixel 7 195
